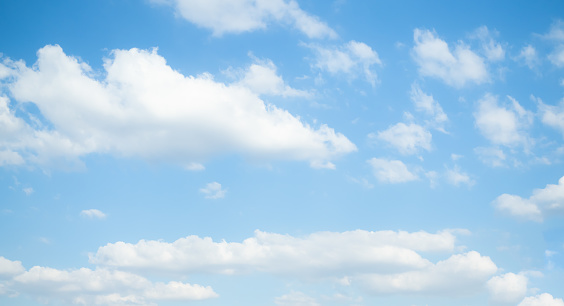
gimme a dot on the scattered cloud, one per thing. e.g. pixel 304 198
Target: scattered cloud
pixel 492 49
pixel 544 299
pixel 456 177
pixel 228 16
pixel 295 298
pixel 425 103
pixel 213 191
pixel 556 34
pixel 456 68
pixel 529 57
pixel 353 59
pixel 27 190
pixel 143 108
pixel 543 202
pixel 407 139
pixel 552 116
pixel 491 156
pixel 391 171
pixel 507 289
pixel 92 214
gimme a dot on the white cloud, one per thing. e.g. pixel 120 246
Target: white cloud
pixel 352 59
pixel 101 287
pixel 543 202
pixel 27 190
pixel 261 78
pixel 9 267
pixel 213 191
pixel 491 156
pixel 544 299
pixel 391 171
pixel 552 116
pixel 407 139
pixel 503 125
pixel 318 255
pixel 295 298
pixel 93 214
pixel 492 49
pixel 435 59
pixel 456 177
pixel 529 56
pixel 509 288
pixel 144 108
pixel 556 34
pixel 460 274
pixel 425 103
pixel 237 16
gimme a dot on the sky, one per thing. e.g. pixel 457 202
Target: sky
pixel 281 152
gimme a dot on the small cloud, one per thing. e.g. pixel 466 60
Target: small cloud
pixel 391 171
pixel 92 214
pixel 28 190
pixel 195 167
pixel 45 240
pixel 456 177
pixel 213 191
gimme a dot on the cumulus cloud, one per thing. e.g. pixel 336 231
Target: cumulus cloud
pixel 552 116
pixel 407 139
pixel 507 289
pixel 391 171
pixel 456 68
pixel 92 214
pixel 457 177
pixel 544 299
pixel 529 56
pixel 9 267
pixel 262 79
pixel 544 202
pixel 492 49
pixel 228 16
pixel 144 108
pixel 213 191
pixel 501 125
pixel 425 103
pixel 352 59
pixel 460 274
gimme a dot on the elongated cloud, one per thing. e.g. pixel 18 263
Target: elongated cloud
pixel 144 108
pixel 237 16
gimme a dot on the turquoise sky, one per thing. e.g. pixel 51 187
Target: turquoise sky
pixel 274 152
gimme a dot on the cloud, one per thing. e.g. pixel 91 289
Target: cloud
pixel 491 156
pixel 27 190
pixel 544 299
pixel 552 116
pixel 92 214
pixel 509 288
pixel 9 268
pixel 407 139
pixel 460 274
pixel 391 171
pixel 456 177
pixel 261 78
pixel 101 287
pixel 529 56
pixel 556 34
pixel 352 59
pixel 238 16
pixel 213 191
pixel 503 125
pixel 425 103
pixel 543 202
pixel 492 49
pixel 295 298
pixel 435 59
pixel 143 108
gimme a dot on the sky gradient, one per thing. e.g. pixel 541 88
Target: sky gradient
pixel 253 152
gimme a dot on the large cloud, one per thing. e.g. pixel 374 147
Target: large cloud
pixel 237 16
pixel 543 202
pixel 146 109
pixel 435 59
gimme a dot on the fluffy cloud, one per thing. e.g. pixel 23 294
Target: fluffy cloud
pixel 407 139
pixel 503 125
pixel 425 103
pixel 556 34
pixel 456 177
pixel 435 59
pixel 92 214
pixel 213 191
pixel 458 275
pixel 508 288
pixel 528 55
pixel 228 16
pixel 261 78
pixel 544 299
pixel 492 49
pixel 10 268
pixel 552 116
pixel 543 202
pixel 146 109
pixel 391 171
pixel 352 59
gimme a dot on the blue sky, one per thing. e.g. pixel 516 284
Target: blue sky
pixel 173 152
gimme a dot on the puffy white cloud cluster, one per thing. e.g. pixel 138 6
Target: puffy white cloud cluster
pixel 552 116
pixel 507 289
pixel 427 104
pixel 406 138
pixel 144 108
pixel 391 171
pixel 213 191
pixel 94 287
pixel 544 299
pixel 456 68
pixel 237 16
pixel 543 202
